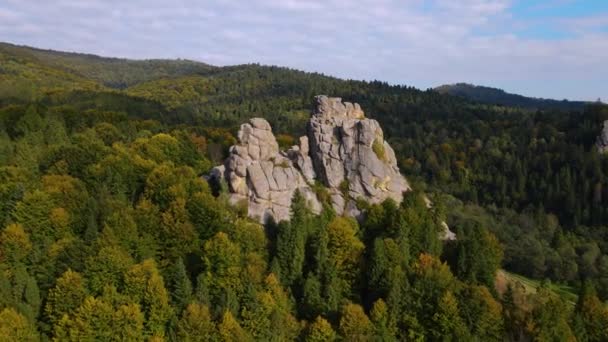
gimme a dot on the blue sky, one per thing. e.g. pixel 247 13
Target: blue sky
pixel 551 48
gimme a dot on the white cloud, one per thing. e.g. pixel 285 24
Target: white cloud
pixel 417 42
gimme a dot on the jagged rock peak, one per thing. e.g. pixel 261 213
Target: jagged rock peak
pixel 602 139
pixel 342 149
pixel 261 176
pixel 351 157
pixel 329 107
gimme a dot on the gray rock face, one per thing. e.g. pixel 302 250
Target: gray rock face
pixel 261 176
pixel 602 139
pixel 343 150
pixel 351 157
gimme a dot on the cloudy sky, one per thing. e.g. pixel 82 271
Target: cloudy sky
pixel 543 48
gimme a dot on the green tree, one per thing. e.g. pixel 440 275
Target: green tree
pixel 229 330
pixel 291 240
pixel 549 319
pixel 24 292
pixel 33 213
pixel 268 316
pixel 482 313
pixel 180 285
pixel 320 331
pixel 120 229
pixel 15 243
pixel 67 295
pixel 15 327
pixel 344 247
pixel 386 267
pixel 196 324
pixel 430 282
pixel 145 285
pixel 107 267
pixel 592 315
pixel 385 328
pixel 448 325
pixel 208 215
pixel 478 256
pixel 354 324
pixel 177 235
pixel 90 322
pixel 128 323
pixel 222 268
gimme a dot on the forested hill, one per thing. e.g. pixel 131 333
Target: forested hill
pixel 500 97
pixel 111 72
pixel 109 232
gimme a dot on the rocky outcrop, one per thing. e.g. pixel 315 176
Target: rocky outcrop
pixel 351 157
pixel 602 139
pixel 261 176
pixel 343 150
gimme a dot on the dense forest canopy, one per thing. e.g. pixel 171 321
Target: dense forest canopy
pixel 109 232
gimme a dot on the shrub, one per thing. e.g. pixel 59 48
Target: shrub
pixel 378 148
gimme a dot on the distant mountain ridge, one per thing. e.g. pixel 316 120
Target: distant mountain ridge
pixel 497 96
pixel 88 71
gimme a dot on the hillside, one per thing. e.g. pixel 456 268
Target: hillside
pixel 111 72
pixel 108 227
pixel 500 97
pixel 22 76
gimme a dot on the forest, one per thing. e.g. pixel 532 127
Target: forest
pixel 109 232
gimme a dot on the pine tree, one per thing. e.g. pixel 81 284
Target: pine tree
pixel 291 240
pixel 180 285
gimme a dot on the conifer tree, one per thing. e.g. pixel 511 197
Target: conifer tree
pixel 180 285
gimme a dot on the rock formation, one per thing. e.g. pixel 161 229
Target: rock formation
pixel 351 157
pixel 261 176
pixel 602 139
pixel 343 150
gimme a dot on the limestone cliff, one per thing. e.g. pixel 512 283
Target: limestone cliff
pixel 343 150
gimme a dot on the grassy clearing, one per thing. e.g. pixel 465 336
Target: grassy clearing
pixel 568 293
